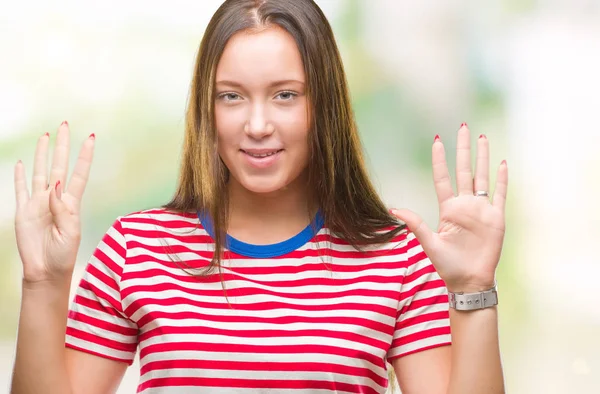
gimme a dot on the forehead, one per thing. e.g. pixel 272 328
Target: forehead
pixel 253 57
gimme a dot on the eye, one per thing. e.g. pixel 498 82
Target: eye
pixel 287 95
pixel 229 96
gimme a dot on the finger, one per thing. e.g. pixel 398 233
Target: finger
pixel 21 192
pixel 441 175
pixel 482 165
pixel 39 181
pixel 501 186
pixel 60 160
pixel 81 171
pixel 464 176
pixel 59 210
pixel 416 225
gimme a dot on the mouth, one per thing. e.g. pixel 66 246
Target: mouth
pixel 261 153
pixel 261 158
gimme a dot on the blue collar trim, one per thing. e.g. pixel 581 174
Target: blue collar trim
pixel 266 251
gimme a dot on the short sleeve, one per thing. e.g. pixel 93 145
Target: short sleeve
pixel 422 317
pixel 96 322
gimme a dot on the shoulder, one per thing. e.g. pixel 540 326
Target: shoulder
pixel 156 219
pixel 406 250
pixel 403 242
pixel 401 248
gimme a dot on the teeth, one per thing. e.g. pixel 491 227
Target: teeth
pixel 261 154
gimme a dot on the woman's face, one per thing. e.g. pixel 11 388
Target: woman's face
pixel 261 110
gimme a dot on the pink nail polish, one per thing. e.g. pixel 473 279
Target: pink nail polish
pixel 64 122
pixel 482 136
pixel 503 162
pixel 463 124
pixel 47 134
pixel 437 138
pixel 93 136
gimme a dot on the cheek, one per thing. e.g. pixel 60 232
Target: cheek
pixel 227 124
pixel 294 126
pixel 302 139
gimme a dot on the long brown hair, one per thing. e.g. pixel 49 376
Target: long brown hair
pixel 337 175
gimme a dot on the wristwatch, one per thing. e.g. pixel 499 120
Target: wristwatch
pixel 472 301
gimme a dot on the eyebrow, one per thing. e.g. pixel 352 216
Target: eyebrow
pixel 271 84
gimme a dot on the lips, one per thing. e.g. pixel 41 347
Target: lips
pixel 258 153
pixel 263 158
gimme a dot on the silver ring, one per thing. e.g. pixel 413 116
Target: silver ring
pixel 481 193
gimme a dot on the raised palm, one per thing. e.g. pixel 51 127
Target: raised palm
pixel 466 248
pixel 47 222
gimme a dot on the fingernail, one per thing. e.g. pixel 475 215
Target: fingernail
pixel 64 122
pixel 437 138
pixel 93 136
pixel 58 191
pixel 47 134
pixel 482 136
pixel 503 162
pixel 463 124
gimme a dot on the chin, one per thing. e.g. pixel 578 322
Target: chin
pixel 263 186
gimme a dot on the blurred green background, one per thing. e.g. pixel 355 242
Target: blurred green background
pixel 522 72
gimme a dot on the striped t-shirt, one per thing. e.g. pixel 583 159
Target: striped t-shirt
pixel 307 315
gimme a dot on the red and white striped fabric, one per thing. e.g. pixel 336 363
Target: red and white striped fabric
pixel 289 323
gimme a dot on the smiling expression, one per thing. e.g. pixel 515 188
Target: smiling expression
pixel 261 110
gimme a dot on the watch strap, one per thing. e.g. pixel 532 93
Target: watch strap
pixel 473 301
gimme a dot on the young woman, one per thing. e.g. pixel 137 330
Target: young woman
pixel 275 268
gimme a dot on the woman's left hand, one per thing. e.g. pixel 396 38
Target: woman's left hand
pixel 466 248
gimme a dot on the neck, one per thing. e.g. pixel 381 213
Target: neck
pixel 268 217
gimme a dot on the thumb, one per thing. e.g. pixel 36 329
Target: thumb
pixel 416 225
pixel 58 208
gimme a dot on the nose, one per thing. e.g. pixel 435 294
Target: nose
pixel 258 125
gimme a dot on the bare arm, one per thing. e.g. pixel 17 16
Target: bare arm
pixel 465 251
pixel 470 366
pixel 476 365
pixel 42 363
pixel 40 359
pixel 47 229
pixel 91 374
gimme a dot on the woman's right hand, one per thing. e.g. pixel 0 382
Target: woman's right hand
pixel 47 222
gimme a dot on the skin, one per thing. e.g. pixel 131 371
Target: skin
pixel 255 113
pixel 263 105
pixel 465 251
